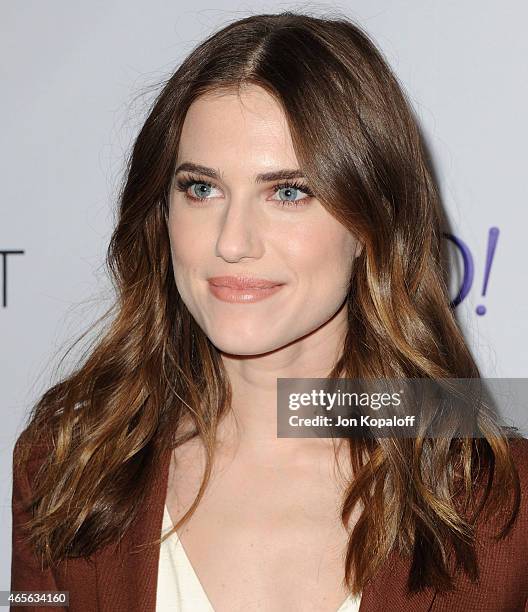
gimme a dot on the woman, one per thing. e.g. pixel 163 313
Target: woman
pixel 278 220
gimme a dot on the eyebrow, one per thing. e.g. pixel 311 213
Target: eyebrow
pixel 285 174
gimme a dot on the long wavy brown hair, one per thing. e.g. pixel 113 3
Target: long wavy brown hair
pixel 359 146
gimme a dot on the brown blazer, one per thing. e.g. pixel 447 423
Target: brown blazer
pixel 123 581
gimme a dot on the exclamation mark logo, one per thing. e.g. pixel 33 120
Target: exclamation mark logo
pixel 493 236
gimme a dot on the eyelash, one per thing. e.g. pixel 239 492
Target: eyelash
pixel 184 184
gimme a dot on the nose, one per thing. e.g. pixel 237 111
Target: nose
pixel 239 234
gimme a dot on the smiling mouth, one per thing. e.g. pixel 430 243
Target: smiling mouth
pixel 243 290
pixel 243 282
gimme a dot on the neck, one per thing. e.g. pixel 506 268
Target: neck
pixel 251 426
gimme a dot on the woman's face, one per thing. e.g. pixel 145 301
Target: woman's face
pixel 249 227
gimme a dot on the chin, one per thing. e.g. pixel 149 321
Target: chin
pixel 237 346
pixel 240 343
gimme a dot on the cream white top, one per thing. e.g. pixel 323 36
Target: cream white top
pixel 179 589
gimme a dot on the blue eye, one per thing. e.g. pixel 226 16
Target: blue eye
pixel 290 191
pixel 201 190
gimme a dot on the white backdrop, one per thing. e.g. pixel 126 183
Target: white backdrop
pixel 76 83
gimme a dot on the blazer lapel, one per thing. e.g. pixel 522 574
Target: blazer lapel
pixel 127 573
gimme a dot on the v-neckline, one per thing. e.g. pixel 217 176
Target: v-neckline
pixel 169 523
pixel 189 566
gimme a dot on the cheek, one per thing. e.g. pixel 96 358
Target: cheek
pixel 188 252
pixel 323 254
pixel 187 237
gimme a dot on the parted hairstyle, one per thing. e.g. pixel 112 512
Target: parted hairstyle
pixel 359 147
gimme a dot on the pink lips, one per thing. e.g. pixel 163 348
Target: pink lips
pixel 242 288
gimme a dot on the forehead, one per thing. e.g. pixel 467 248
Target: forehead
pixel 249 126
